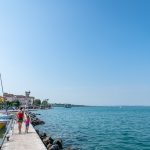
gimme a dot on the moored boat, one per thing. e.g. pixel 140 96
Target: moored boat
pixel 4 116
pixel 67 106
pixel 3 123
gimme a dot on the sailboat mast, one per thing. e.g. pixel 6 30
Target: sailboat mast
pixel 1 84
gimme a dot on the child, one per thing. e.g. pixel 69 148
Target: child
pixel 27 122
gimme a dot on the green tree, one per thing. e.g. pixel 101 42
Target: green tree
pixel 44 103
pixel 16 103
pixel 37 102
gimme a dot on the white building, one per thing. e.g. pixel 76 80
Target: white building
pixel 24 100
pixel 9 97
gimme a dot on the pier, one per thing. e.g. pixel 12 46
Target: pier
pixel 23 141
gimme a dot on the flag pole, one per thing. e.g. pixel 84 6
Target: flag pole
pixel 1 84
pixel 3 94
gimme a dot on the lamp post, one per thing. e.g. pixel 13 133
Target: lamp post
pixel 5 103
pixel 1 84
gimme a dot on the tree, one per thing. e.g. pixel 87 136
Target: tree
pixel 16 103
pixel 37 102
pixel 2 102
pixel 2 99
pixel 7 104
pixel 44 103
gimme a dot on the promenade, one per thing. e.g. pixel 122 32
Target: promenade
pixel 24 141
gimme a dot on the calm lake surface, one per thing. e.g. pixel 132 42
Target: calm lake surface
pixel 2 132
pixel 99 128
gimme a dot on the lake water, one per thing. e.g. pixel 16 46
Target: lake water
pixel 99 128
pixel 2 132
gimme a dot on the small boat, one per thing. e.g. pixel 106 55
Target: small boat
pixel 4 116
pixel 67 106
pixel 3 123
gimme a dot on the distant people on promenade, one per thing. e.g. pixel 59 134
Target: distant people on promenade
pixel 27 122
pixel 20 117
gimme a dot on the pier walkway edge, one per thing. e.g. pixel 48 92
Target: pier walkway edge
pixel 23 141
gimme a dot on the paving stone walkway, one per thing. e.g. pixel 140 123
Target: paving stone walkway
pixel 24 141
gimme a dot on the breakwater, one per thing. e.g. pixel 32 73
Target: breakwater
pixel 49 142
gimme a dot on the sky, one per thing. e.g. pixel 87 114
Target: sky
pixel 90 52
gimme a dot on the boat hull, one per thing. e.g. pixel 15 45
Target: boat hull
pixel 2 124
pixel 3 116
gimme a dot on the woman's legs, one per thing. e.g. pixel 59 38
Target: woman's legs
pixel 19 126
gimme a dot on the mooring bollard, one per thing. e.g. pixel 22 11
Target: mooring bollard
pixel 7 136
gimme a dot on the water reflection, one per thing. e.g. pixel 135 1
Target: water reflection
pixel 2 132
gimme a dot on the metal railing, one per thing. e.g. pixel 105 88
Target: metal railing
pixel 9 128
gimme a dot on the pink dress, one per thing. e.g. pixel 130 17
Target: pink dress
pixel 27 122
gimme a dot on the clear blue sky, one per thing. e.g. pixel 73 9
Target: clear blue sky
pixel 94 52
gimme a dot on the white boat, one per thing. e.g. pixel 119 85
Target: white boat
pixel 4 116
pixel 67 106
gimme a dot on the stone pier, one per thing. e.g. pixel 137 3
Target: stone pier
pixel 24 141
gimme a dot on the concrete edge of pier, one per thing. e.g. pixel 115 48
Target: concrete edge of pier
pixel 23 141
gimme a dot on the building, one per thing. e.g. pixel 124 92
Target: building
pixel 9 97
pixel 25 100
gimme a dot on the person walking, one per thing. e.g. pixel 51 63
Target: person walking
pixel 27 122
pixel 20 117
